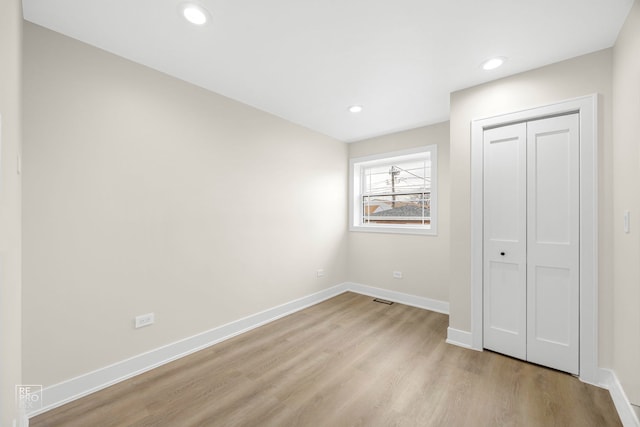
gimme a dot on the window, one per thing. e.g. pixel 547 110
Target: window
pixel 395 192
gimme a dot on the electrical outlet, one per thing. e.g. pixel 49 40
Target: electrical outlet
pixel 397 274
pixel 320 273
pixel 144 320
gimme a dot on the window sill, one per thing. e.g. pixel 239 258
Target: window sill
pixel 394 230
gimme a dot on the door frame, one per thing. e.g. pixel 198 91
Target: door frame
pixel 586 107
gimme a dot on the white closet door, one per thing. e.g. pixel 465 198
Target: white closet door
pixel 553 242
pixel 505 172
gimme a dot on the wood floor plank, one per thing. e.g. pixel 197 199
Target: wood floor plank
pixel 345 362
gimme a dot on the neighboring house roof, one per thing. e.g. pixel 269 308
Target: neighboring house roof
pixel 406 210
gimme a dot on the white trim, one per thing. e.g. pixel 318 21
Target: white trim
pixel 399 297
pixel 609 380
pixel 459 338
pixel 75 388
pixel 395 229
pixel 354 201
pixel 587 108
pixel 23 419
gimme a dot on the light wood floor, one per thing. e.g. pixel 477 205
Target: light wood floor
pixel 345 362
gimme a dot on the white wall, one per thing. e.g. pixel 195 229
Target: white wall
pixel 143 193
pixel 131 204
pixel 10 193
pixel 626 196
pixel 423 260
pixel 579 76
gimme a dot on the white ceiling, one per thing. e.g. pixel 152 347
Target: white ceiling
pixel 309 60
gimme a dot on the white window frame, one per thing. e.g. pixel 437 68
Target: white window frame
pixel 355 191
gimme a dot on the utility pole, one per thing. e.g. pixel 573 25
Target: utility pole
pixel 394 172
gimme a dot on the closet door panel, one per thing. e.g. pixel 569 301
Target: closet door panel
pixel 505 240
pixel 553 225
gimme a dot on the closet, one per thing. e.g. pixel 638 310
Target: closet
pixel 531 248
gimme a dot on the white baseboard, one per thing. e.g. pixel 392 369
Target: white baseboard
pixel 399 297
pixel 22 420
pixel 609 380
pixel 75 388
pixel 459 338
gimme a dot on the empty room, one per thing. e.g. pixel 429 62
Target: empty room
pixel 360 213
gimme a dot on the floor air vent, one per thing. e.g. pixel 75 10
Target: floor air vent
pixel 382 301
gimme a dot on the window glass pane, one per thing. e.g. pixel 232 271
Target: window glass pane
pixel 399 177
pixel 411 208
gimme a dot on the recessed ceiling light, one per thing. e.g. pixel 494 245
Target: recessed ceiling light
pixel 493 63
pixel 194 14
pixel 355 108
